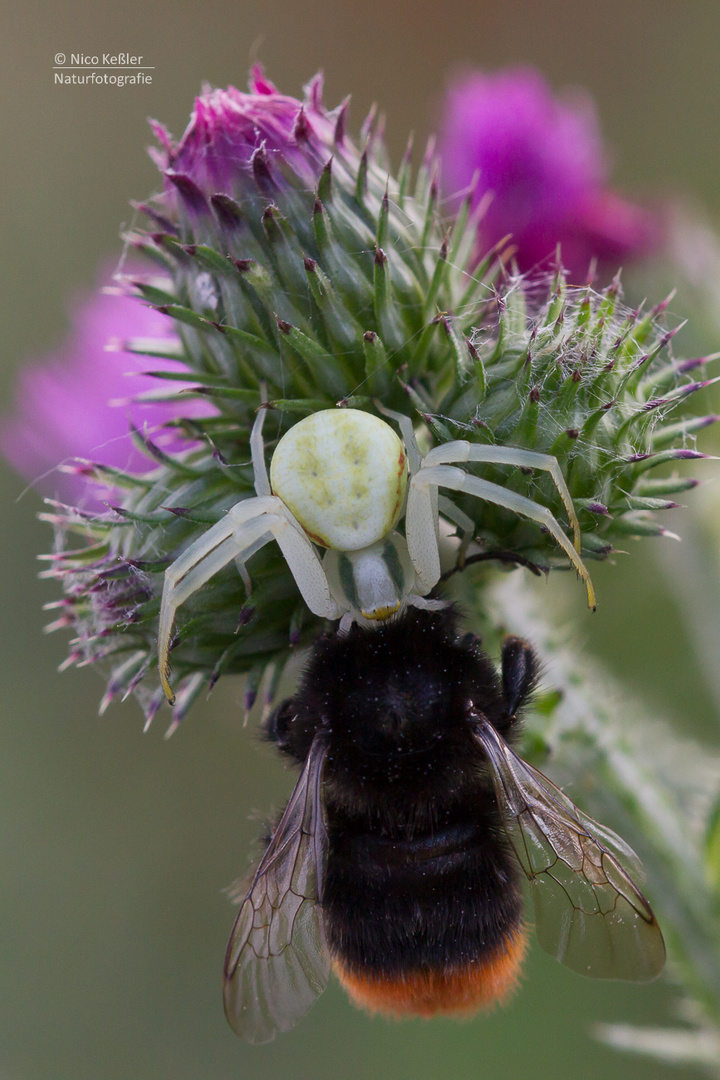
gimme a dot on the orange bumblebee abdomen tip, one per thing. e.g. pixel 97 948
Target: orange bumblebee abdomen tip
pixel 461 989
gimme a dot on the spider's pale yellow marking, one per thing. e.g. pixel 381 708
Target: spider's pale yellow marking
pixel 342 473
pixel 379 614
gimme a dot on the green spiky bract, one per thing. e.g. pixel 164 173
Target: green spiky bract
pixel 350 292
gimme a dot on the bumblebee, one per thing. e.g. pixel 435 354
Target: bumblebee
pixel 399 859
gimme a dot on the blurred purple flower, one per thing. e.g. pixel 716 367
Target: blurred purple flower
pixel 542 159
pixel 227 127
pixel 64 402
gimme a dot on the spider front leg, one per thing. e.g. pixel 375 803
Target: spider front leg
pixel 246 527
pixel 464 524
pixel 420 523
pixel 460 451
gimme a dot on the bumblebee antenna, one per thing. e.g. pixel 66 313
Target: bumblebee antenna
pixel 500 556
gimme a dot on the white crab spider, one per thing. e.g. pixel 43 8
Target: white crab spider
pixel 339 479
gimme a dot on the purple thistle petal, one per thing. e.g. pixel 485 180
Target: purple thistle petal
pixel 258 83
pixel 542 158
pixel 229 128
pixel 62 402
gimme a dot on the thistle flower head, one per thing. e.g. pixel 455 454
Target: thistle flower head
pixel 542 161
pixel 80 401
pixel 576 374
pixel 349 290
pixel 229 128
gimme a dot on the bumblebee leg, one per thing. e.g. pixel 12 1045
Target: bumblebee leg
pixel 278 723
pixel 520 671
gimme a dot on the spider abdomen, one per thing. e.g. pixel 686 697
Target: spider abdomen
pixel 342 473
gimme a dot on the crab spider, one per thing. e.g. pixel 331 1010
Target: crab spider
pixel 338 480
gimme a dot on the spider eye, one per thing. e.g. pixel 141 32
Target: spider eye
pixel 342 473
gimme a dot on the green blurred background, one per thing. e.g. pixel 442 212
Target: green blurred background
pixel 115 845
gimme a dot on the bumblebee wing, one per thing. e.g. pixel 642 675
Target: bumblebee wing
pixel 589 914
pixel 277 960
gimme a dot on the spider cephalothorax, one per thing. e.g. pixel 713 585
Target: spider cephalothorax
pixel 341 479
